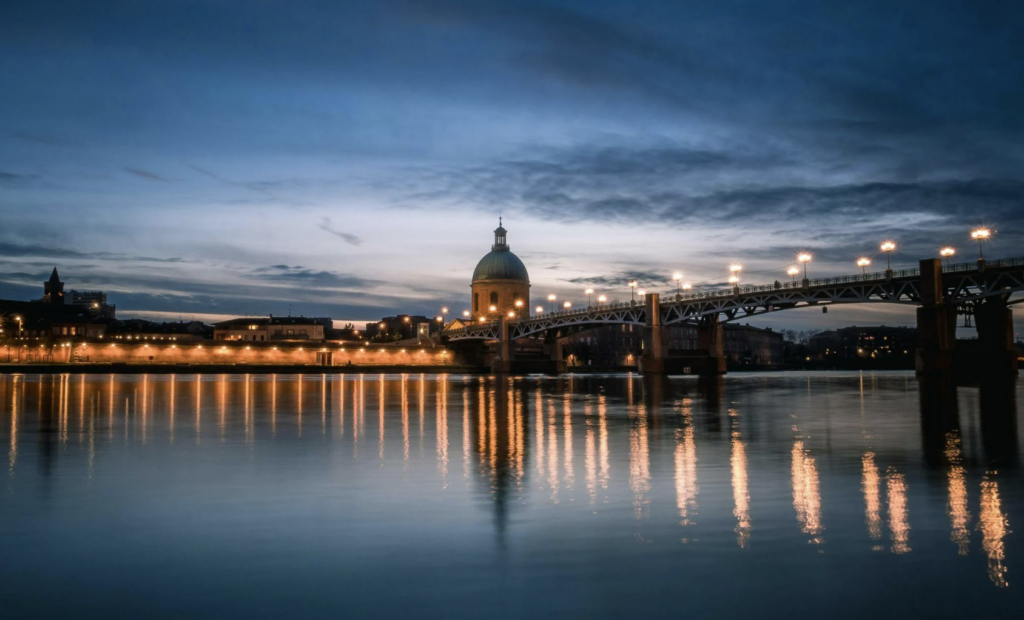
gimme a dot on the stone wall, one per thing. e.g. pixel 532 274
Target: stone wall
pixel 209 352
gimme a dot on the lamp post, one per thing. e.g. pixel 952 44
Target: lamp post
pixel 551 301
pixel 678 277
pixel 539 310
pixel 590 293
pixel 519 306
pixel 643 295
pixel 465 314
pixel 734 279
pixel 804 257
pixel 863 264
pixel 601 299
pixel 888 247
pixel 981 235
pixel 687 286
pixel 632 285
pixel 793 272
pixel 567 305
pixel 946 252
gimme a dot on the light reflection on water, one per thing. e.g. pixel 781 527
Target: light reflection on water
pixel 259 495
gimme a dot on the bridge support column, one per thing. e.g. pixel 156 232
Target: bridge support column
pixel 996 356
pixel 936 323
pixel 652 362
pixel 554 350
pixel 711 342
pixel 502 362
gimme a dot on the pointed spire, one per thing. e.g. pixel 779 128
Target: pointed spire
pixel 53 276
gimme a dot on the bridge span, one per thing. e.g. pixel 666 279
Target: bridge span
pixel 981 289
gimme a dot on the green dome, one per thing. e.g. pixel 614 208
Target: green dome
pixel 500 263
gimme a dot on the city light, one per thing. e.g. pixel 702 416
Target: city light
pixel 734 280
pixel 567 305
pixel 678 277
pixel 511 314
pixel 632 287
pixel 793 271
pixel 947 252
pixel 551 301
pixel 444 309
pixel 687 286
pixel 589 292
pixel 888 247
pixel 465 313
pixel 601 299
pixel 804 257
pixel 493 308
pixel 735 268
pixel 539 309
pixel 981 235
pixel 482 319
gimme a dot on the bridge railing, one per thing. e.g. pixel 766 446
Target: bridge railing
pixel 671 297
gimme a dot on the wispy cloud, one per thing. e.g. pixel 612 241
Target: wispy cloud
pixel 349 238
pixel 144 174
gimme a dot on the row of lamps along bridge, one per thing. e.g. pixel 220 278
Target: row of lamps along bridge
pixel 978 234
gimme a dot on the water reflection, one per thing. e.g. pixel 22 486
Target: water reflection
pixel 806 493
pixel 635 442
pixel 994 526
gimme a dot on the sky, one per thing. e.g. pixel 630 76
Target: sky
pixel 350 159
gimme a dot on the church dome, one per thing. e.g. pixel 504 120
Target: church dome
pixel 500 263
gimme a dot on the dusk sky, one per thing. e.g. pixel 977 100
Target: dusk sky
pixel 219 157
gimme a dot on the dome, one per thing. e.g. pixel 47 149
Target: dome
pixel 500 265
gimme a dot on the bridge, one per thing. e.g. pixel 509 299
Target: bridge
pixel 982 289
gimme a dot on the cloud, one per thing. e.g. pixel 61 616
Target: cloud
pixel 10 179
pixel 349 238
pixel 144 174
pixel 300 275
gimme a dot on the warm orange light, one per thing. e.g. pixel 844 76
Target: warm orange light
pixel 511 314
pixel 552 297
pixel 493 308
pixel 733 279
pixel 519 303
pixel 687 286
pixel 465 313
pixel 735 268
pixel 803 257
pixel 539 309
pixel 602 298
pixel 792 271
pixel 980 233
pixel 863 262
pixel 946 252
pixel 888 246
pixel 567 305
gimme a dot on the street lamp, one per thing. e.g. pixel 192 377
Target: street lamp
pixel 600 300
pixel 678 277
pixel 888 247
pixel 687 286
pixel 946 252
pixel 465 313
pixel 518 304
pixel 567 305
pixel 863 264
pixel 590 293
pixel 793 271
pixel 643 293
pixel 980 235
pixel 551 301
pixel 539 309
pixel 511 314
pixel 632 285
pixel 804 257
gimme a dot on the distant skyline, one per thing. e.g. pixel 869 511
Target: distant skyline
pixel 352 158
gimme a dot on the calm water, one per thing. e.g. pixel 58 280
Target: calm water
pixel 263 496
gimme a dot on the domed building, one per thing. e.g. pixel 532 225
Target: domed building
pixel 500 282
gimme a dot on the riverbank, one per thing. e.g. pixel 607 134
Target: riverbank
pixel 217 369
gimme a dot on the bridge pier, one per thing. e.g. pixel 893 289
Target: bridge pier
pixel 992 355
pixel 652 361
pixel 502 362
pixel 711 344
pixel 554 350
pixel 936 323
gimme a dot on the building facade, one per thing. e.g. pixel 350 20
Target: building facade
pixel 270 329
pixel 501 283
